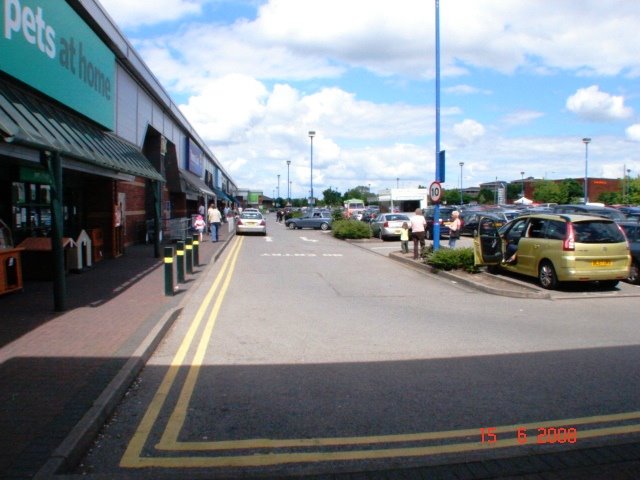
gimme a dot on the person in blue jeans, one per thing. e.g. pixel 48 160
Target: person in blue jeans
pixel 215 218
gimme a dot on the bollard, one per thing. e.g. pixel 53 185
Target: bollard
pixel 168 271
pixel 189 255
pixel 180 258
pixel 196 250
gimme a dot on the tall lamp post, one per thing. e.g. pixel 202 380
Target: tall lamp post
pixel 461 199
pixel 278 185
pixel 586 142
pixel 311 135
pixel 522 176
pixel 288 184
pixel 628 184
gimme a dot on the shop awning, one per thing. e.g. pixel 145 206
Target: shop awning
pixel 223 195
pixel 194 184
pixel 26 119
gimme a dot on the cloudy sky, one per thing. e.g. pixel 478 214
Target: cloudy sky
pixel 521 84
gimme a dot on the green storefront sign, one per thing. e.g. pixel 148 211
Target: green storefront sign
pixel 254 197
pixel 46 45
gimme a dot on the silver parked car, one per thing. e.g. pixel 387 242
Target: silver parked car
pixel 251 222
pixel 388 225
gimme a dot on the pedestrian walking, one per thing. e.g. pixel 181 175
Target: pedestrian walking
pixel 214 218
pixel 454 228
pixel 199 225
pixel 404 238
pixel 418 226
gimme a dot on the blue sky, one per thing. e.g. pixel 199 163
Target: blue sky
pixel 522 83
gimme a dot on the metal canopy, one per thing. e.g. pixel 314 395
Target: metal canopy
pixel 193 183
pixel 29 120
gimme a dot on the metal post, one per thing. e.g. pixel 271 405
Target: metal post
pixel 461 197
pixel 196 250
pixel 54 166
pixel 189 255
pixel 168 271
pixel 586 141
pixel 288 183
pixel 522 177
pixel 436 210
pixel 311 135
pixel 180 261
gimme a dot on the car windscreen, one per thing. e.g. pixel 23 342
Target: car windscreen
pixel 397 217
pixel 251 215
pixel 597 232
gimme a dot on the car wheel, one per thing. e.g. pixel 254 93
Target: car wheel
pixel 608 283
pixel 324 226
pixel 493 269
pixel 633 274
pixel 292 226
pixel 547 276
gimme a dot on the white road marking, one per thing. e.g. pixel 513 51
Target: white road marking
pixel 268 239
pixel 308 239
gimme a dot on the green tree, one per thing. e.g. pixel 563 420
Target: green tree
pixel 355 193
pixel 514 191
pixel 610 198
pixel 546 191
pixel 573 190
pixel 634 191
pixel 332 197
pixel 486 196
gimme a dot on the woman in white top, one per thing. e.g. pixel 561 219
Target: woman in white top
pixel 418 225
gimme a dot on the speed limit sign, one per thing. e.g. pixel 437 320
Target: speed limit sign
pixel 435 192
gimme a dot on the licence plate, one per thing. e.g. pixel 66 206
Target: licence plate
pixel 251 224
pixel 601 263
pixel 398 231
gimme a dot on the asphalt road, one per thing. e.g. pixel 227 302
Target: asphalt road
pixel 303 354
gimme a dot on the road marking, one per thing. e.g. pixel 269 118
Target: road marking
pixel 133 456
pixel 301 255
pixel 268 239
pixel 308 239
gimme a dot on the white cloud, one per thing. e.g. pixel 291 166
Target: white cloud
pixel 227 108
pixel 130 14
pixel 465 90
pixel 521 117
pixel 253 88
pixel 633 132
pixel 592 104
pixel 468 131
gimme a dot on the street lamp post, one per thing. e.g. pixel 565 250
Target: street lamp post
pixel 288 183
pixel 278 185
pixel 586 142
pixel 461 198
pixel 628 184
pixel 311 135
pixel 522 176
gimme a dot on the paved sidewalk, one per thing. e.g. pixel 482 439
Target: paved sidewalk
pixel 55 366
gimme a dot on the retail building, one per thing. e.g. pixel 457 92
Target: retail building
pixel 89 139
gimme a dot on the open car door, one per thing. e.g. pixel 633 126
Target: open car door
pixel 487 244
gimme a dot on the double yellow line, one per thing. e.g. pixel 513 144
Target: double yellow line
pixel 133 455
pixel 400 445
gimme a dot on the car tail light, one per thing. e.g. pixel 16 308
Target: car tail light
pixel 386 225
pixel 239 222
pixel 569 243
pixel 262 222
